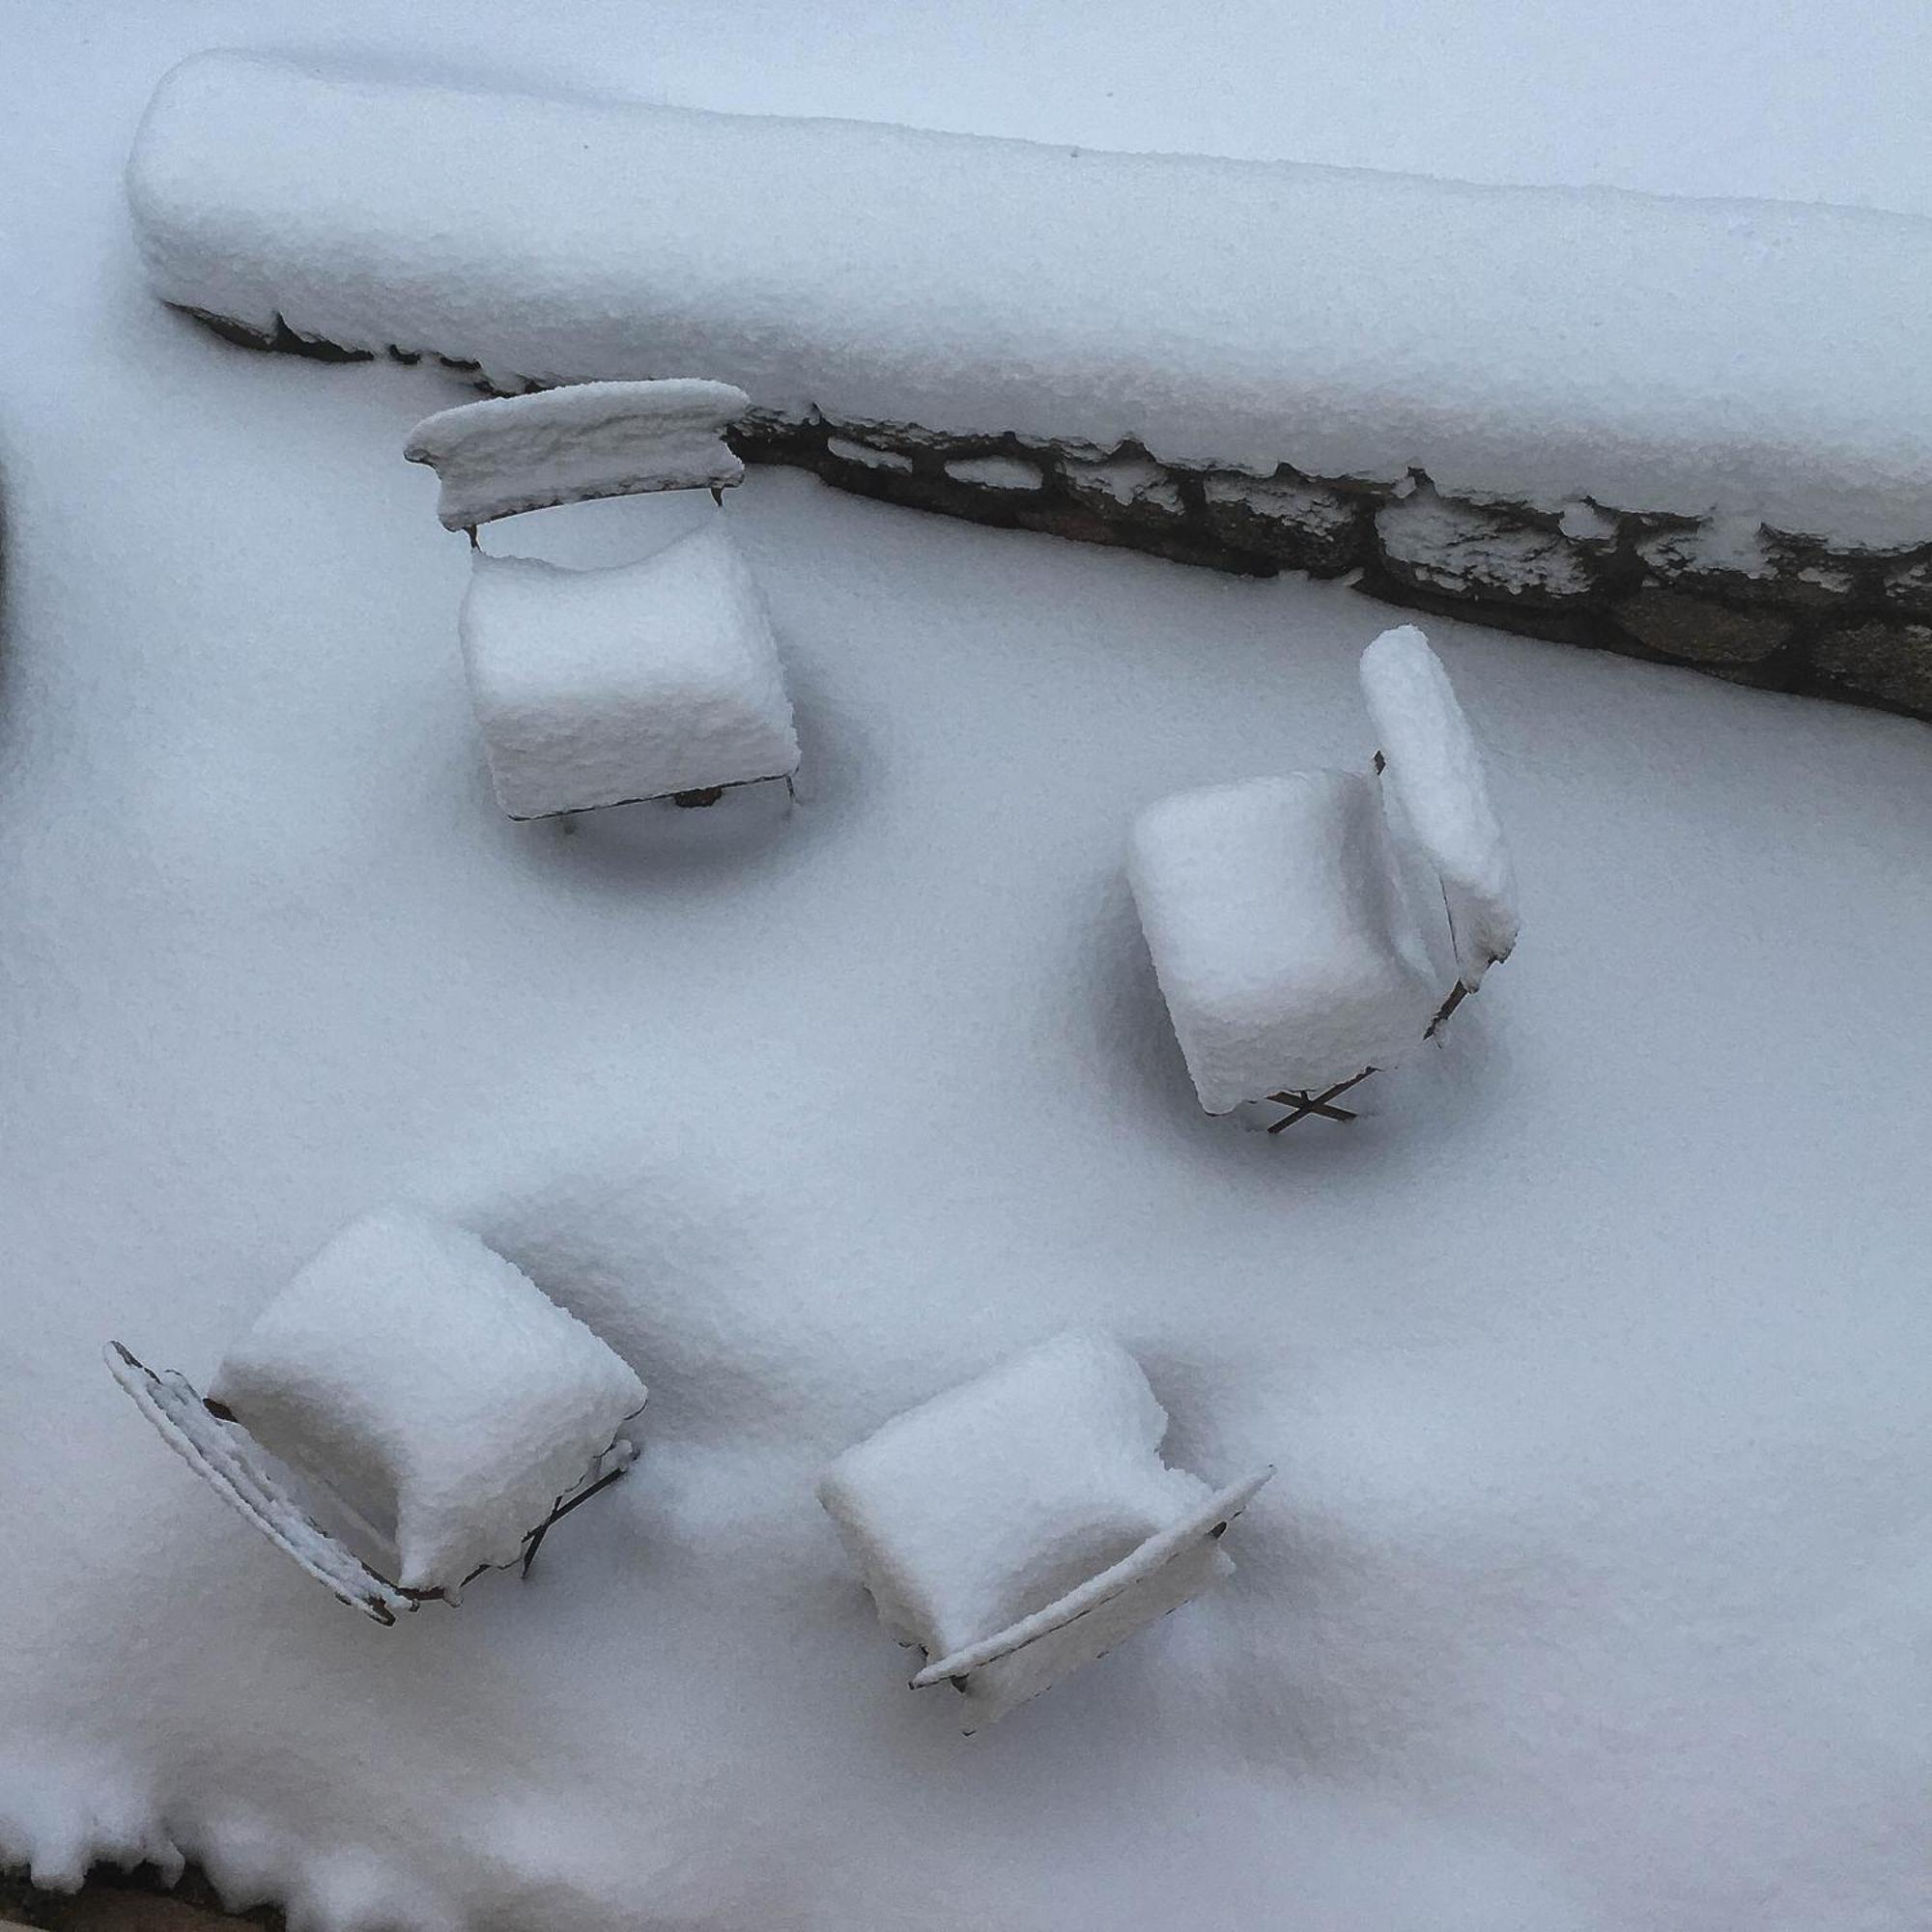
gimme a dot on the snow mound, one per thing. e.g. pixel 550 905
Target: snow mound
pixel 509 454
pixel 1023 1523
pixel 597 687
pixel 1435 774
pixel 1282 945
pixel 431 1388
pixel 1753 357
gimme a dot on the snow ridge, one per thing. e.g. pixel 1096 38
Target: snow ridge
pixel 1653 355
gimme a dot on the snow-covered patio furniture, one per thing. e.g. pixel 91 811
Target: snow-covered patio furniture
pixel 656 679
pixel 1287 948
pixel 1022 1524
pixel 409 1410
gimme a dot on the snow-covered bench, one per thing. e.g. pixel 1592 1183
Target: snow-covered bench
pixel 409 1410
pixel 657 679
pixel 1021 1525
pixel 1289 950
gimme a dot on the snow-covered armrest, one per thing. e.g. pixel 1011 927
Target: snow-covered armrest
pixel 437 1402
pixel 1434 773
pixel 1284 948
pixel 600 687
pixel 1021 1525
pixel 510 454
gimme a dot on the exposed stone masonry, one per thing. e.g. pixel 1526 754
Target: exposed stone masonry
pixel 1756 607
pixel 1759 606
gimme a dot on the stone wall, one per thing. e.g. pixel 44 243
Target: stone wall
pixel 1755 606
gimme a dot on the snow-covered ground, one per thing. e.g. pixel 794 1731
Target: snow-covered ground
pixel 1593 1587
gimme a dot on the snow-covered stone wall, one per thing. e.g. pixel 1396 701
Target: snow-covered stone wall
pixel 1691 431
pixel 1729 598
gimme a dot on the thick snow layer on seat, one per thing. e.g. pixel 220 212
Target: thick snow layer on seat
pixel 1756 358
pixel 1435 773
pixel 508 454
pixel 1282 942
pixel 433 1387
pixel 990 1502
pixel 594 687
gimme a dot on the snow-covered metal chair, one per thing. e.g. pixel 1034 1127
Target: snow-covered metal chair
pixel 1023 1523
pixel 409 1410
pixel 648 680
pixel 1286 944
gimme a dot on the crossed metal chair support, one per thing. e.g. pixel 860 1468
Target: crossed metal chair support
pixel 1303 1104
pixel 208 1436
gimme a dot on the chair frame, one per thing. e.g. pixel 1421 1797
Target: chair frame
pixel 206 1436
pixel 1303 1104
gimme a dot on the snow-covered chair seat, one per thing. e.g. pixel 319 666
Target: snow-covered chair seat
pixel 657 679
pixel 1286 945
pixel 1285 953
pixel 649 680
pixel 409 1410
pixel 1021 1525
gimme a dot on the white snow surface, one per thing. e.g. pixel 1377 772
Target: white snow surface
pixel 509 454
pixel 433 1386
pixel 1652 354
pixel 598 687
pixel 989 1502
pixel 1286 949
pixel 1592 1591
pixel 1436 774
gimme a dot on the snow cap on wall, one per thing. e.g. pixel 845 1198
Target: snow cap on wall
pixel 1753 358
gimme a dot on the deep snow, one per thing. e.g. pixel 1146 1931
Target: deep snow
pixel 1593 1586
pixel 1644 353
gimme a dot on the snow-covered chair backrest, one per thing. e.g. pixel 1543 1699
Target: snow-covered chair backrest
pixel 1434 772
pixel 509 454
